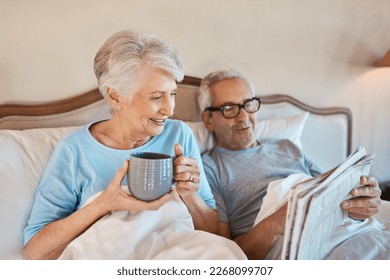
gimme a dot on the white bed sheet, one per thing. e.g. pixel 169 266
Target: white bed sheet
pixel 165 234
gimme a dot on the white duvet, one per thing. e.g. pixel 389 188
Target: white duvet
pixel 167 233
pixel 352 240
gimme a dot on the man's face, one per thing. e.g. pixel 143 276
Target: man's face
pixel 236 133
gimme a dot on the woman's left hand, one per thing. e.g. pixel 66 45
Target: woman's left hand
pixel 186 173
pixel 365 201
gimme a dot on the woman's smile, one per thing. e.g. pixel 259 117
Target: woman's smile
pixel 159 122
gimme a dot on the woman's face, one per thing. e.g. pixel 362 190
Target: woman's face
pixel 144 114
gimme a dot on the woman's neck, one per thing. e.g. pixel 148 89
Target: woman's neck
pixel 113 135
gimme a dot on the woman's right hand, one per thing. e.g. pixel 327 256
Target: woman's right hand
pixel 113 198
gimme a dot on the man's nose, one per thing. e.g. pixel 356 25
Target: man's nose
pixel 242 114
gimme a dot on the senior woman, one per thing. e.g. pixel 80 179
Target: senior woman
pixel 137 76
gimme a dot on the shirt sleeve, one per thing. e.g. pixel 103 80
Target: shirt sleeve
pixel 214 182
pixel 191 149
pixel 313 167
pixel 56 196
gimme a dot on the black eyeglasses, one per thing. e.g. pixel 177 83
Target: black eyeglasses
pixel 232 110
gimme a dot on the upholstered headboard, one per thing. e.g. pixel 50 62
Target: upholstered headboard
pixel 326 135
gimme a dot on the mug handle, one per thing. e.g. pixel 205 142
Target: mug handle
pixel 173 179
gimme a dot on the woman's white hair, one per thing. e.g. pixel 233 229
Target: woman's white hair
pixel 205 98
pixel 126 55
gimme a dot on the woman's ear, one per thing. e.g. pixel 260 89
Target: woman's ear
pixel 207 121
pixel 114 99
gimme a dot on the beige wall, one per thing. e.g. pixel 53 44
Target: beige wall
pixel 320 52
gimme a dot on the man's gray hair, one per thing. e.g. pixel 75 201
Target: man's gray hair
pixel 205 98
pixel 126 55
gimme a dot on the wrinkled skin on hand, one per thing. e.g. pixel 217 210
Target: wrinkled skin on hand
pixel 365 201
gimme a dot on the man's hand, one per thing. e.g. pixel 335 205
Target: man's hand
pixel 365 201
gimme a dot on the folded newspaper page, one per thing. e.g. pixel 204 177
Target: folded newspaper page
pixel 314 211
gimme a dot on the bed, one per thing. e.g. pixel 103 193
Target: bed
pixel 29 133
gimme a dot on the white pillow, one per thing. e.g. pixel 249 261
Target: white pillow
pixel 284 128
pixel 23 157
pixel 203 137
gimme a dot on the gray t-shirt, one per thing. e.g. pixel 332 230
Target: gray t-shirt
pixel 239 179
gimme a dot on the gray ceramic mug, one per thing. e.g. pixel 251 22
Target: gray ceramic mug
pixel 150 175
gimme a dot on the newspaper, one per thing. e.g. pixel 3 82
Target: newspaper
pixel 314 211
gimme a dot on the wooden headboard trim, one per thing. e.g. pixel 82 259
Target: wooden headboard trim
pixel 66 105
pixel 51 108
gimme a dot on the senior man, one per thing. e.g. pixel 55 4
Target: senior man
pixel 240 167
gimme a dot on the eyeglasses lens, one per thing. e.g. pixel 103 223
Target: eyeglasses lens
pixel 231 111
pixel 252 106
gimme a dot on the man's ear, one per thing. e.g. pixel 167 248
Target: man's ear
pixel 207 121
pixel 114 99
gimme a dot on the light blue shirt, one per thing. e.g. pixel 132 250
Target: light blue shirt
pixel 80 167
